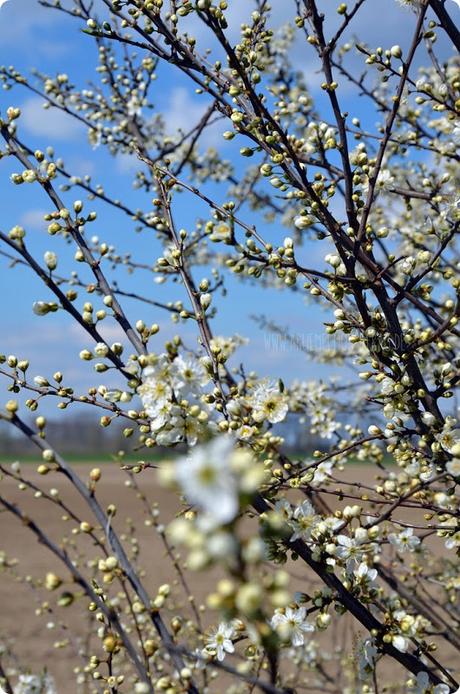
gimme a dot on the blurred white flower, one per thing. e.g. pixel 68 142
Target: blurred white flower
pixel 134 106
pixel 453 467
pixel 367 658
pixel 424 686
pixel 385 180
pixel 405 540
pixel 400 643
pixel 206 479
pixel 322 472
pixel 410 3
pixel 302 222
pixel 35 684
pixel 456 133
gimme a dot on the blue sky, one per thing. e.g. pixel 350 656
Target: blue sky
pixel 34 37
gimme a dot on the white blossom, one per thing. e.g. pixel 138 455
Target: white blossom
pixel 450 440
pixel 365 576
pixel 408 624
pixel 269 403
pixel 188 375
pixel 155 390
pixel 348 549
pixel 322 472
pixel 220 641
pixel 291 624
pixel 385 180
pixel 303 521
pixel 134 107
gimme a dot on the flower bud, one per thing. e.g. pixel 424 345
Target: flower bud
pixel 205 301
pixel 52 581
pixel 17 233
pixel 41 308
pixel 50 260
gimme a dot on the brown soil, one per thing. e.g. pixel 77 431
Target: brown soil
pixel 28 633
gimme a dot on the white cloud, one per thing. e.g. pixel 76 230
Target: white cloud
pixel 80 166
pixel 111 332
pixel 51 122
pixel 377 23
pixel 127 163
pixel 395 25
pixel 22 23
pixel 33 220
pixel 183 112
pixel 52 346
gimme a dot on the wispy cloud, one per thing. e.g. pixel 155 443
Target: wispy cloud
pixel 183 111
pixel 50 122
pixel 80 166
pixel 33 220
pixel 127 163
pixel 24 22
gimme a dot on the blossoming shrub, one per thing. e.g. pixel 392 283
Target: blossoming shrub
pixel 302 544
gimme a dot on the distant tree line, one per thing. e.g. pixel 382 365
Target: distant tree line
pixel 82 435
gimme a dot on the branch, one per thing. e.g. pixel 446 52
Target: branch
pixel 112 537
pixel 446 22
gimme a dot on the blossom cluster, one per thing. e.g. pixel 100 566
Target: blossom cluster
pixel 277 504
